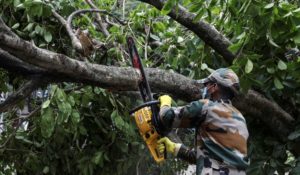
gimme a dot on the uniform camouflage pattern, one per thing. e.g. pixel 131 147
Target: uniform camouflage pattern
pixel 221 134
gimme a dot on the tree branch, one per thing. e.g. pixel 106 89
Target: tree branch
pixel 75 41
pixel 255 105
pixel 202 29
pixel 13 64
pixel 21 93
pixel 102 26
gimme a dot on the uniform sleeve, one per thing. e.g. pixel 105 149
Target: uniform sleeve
pixel 185 153
pixel 188 116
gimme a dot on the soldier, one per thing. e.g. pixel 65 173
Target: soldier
pixel 221 131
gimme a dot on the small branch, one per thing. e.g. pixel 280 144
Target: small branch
pixel 21 93
pixel 148 31
pixel 60 18
pixel 123 9
pixel 10 136
pixel 5 29
pixel 75 41
pixel 202 29
pixel 99 20
pixel 19 124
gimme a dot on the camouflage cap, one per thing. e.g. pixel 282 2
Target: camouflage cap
pixel 224 76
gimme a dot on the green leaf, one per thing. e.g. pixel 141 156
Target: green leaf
pixel 249 66
pixel 204 66
pixel 273 43
pixel 270 70
pixel 60 95
pixel 20 6
pixel 269 5
pixel 235 47
pixel 46 104
pixel 168 7
pixel 98 157
pixel 47 123
pixel 46 170
pixel 15 26
pixel 65 110
pixel 277 83
pixel 159 26
pixel 297 38
pixel 241 36
pixel 297 10
pixel 29 27
pixel 294 135
pixel 75 117
pixel 155 37
pixel 48 37
pixel 71 100
pixel 118 121
pixel 200 13
pixel 38 29
pixel 16 3
pixel 281 65
pixel 191 47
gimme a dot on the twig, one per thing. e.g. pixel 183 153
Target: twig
pixel 123 10
pixel 21 122
pixel 102 26
pixel 134 35
pixel 148 31
pixel 21 93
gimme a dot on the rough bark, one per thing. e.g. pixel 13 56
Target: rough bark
pixel 104 76
pixel 202 29
pixel 276 119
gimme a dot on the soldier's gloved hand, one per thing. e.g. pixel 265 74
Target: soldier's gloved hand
pixel 165 100
pixel 166 143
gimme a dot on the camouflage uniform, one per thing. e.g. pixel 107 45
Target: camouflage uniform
pixel 221 144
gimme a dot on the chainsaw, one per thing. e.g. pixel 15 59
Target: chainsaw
pixel 146 115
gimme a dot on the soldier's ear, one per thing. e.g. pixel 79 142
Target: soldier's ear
pixel 215 87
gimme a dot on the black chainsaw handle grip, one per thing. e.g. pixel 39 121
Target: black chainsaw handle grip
pixel 149 103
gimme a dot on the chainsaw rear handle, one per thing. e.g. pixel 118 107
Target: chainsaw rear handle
pixel 151 139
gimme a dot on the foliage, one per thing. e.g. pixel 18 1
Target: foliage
pixel 87 130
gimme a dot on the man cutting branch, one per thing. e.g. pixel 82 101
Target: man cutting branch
pixel 221 131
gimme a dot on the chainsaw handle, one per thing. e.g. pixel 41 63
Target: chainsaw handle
pixel 149 103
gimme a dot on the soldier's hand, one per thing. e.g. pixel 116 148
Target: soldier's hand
pixel 166 144
pixel 165 100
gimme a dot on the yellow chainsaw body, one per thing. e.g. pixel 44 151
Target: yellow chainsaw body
pixel 143 121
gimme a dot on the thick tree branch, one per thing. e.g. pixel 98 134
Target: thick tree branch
pixel 255 105
pixel 105 76
pixel 13 64
pixel 202 29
